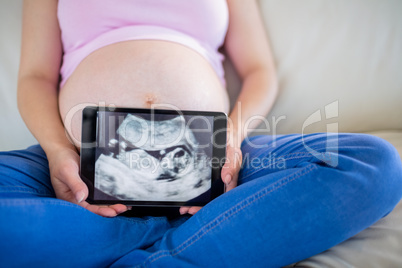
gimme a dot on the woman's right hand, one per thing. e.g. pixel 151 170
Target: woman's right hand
pixel 68 185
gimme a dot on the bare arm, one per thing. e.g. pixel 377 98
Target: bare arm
pixel 248 48
pixel 41 55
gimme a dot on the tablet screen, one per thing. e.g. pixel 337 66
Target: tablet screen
pixel 153 157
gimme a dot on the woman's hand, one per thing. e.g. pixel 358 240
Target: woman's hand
pixel 230 171
pixel 67 184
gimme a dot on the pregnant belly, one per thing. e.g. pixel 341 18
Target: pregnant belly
pixel 141 74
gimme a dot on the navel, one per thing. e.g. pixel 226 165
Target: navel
pixel 150 99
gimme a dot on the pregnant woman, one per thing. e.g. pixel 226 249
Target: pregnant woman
pixel 142 53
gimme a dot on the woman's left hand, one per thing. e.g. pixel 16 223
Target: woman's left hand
pixel 229 174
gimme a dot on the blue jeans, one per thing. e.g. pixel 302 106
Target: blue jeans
pixel 296 197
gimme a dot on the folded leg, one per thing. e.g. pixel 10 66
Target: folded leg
pixel 319 196
pixel 38 230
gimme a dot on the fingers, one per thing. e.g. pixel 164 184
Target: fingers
pixel 189 210
pixel 119 208
pixel 232 167
pixel 105 211
pixel 68 185
pixel 227 173
pixel 70 177
pixel 184 210
pixel 194 210
pixel 232 184
pixel 71 188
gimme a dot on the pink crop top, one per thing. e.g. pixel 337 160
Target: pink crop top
pixel 87 25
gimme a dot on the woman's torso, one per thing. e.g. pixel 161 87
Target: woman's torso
pixel 135 72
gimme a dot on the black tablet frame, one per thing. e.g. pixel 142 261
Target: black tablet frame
pixel 89 145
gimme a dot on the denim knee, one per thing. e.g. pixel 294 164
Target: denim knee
pixel 380 166
pixel 25 172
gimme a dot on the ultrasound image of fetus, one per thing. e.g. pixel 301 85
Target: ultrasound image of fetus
pixel 153 161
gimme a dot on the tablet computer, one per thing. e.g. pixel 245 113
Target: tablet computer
pixel 152 157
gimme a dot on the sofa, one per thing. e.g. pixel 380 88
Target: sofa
pixel 339 65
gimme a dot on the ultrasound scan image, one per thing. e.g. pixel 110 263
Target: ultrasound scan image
pixel 158 160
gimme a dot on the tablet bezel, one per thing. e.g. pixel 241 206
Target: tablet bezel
pixel 89 145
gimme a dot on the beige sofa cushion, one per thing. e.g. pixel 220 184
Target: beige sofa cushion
pixel 348 51
pixel 13 132
pixel 378 246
